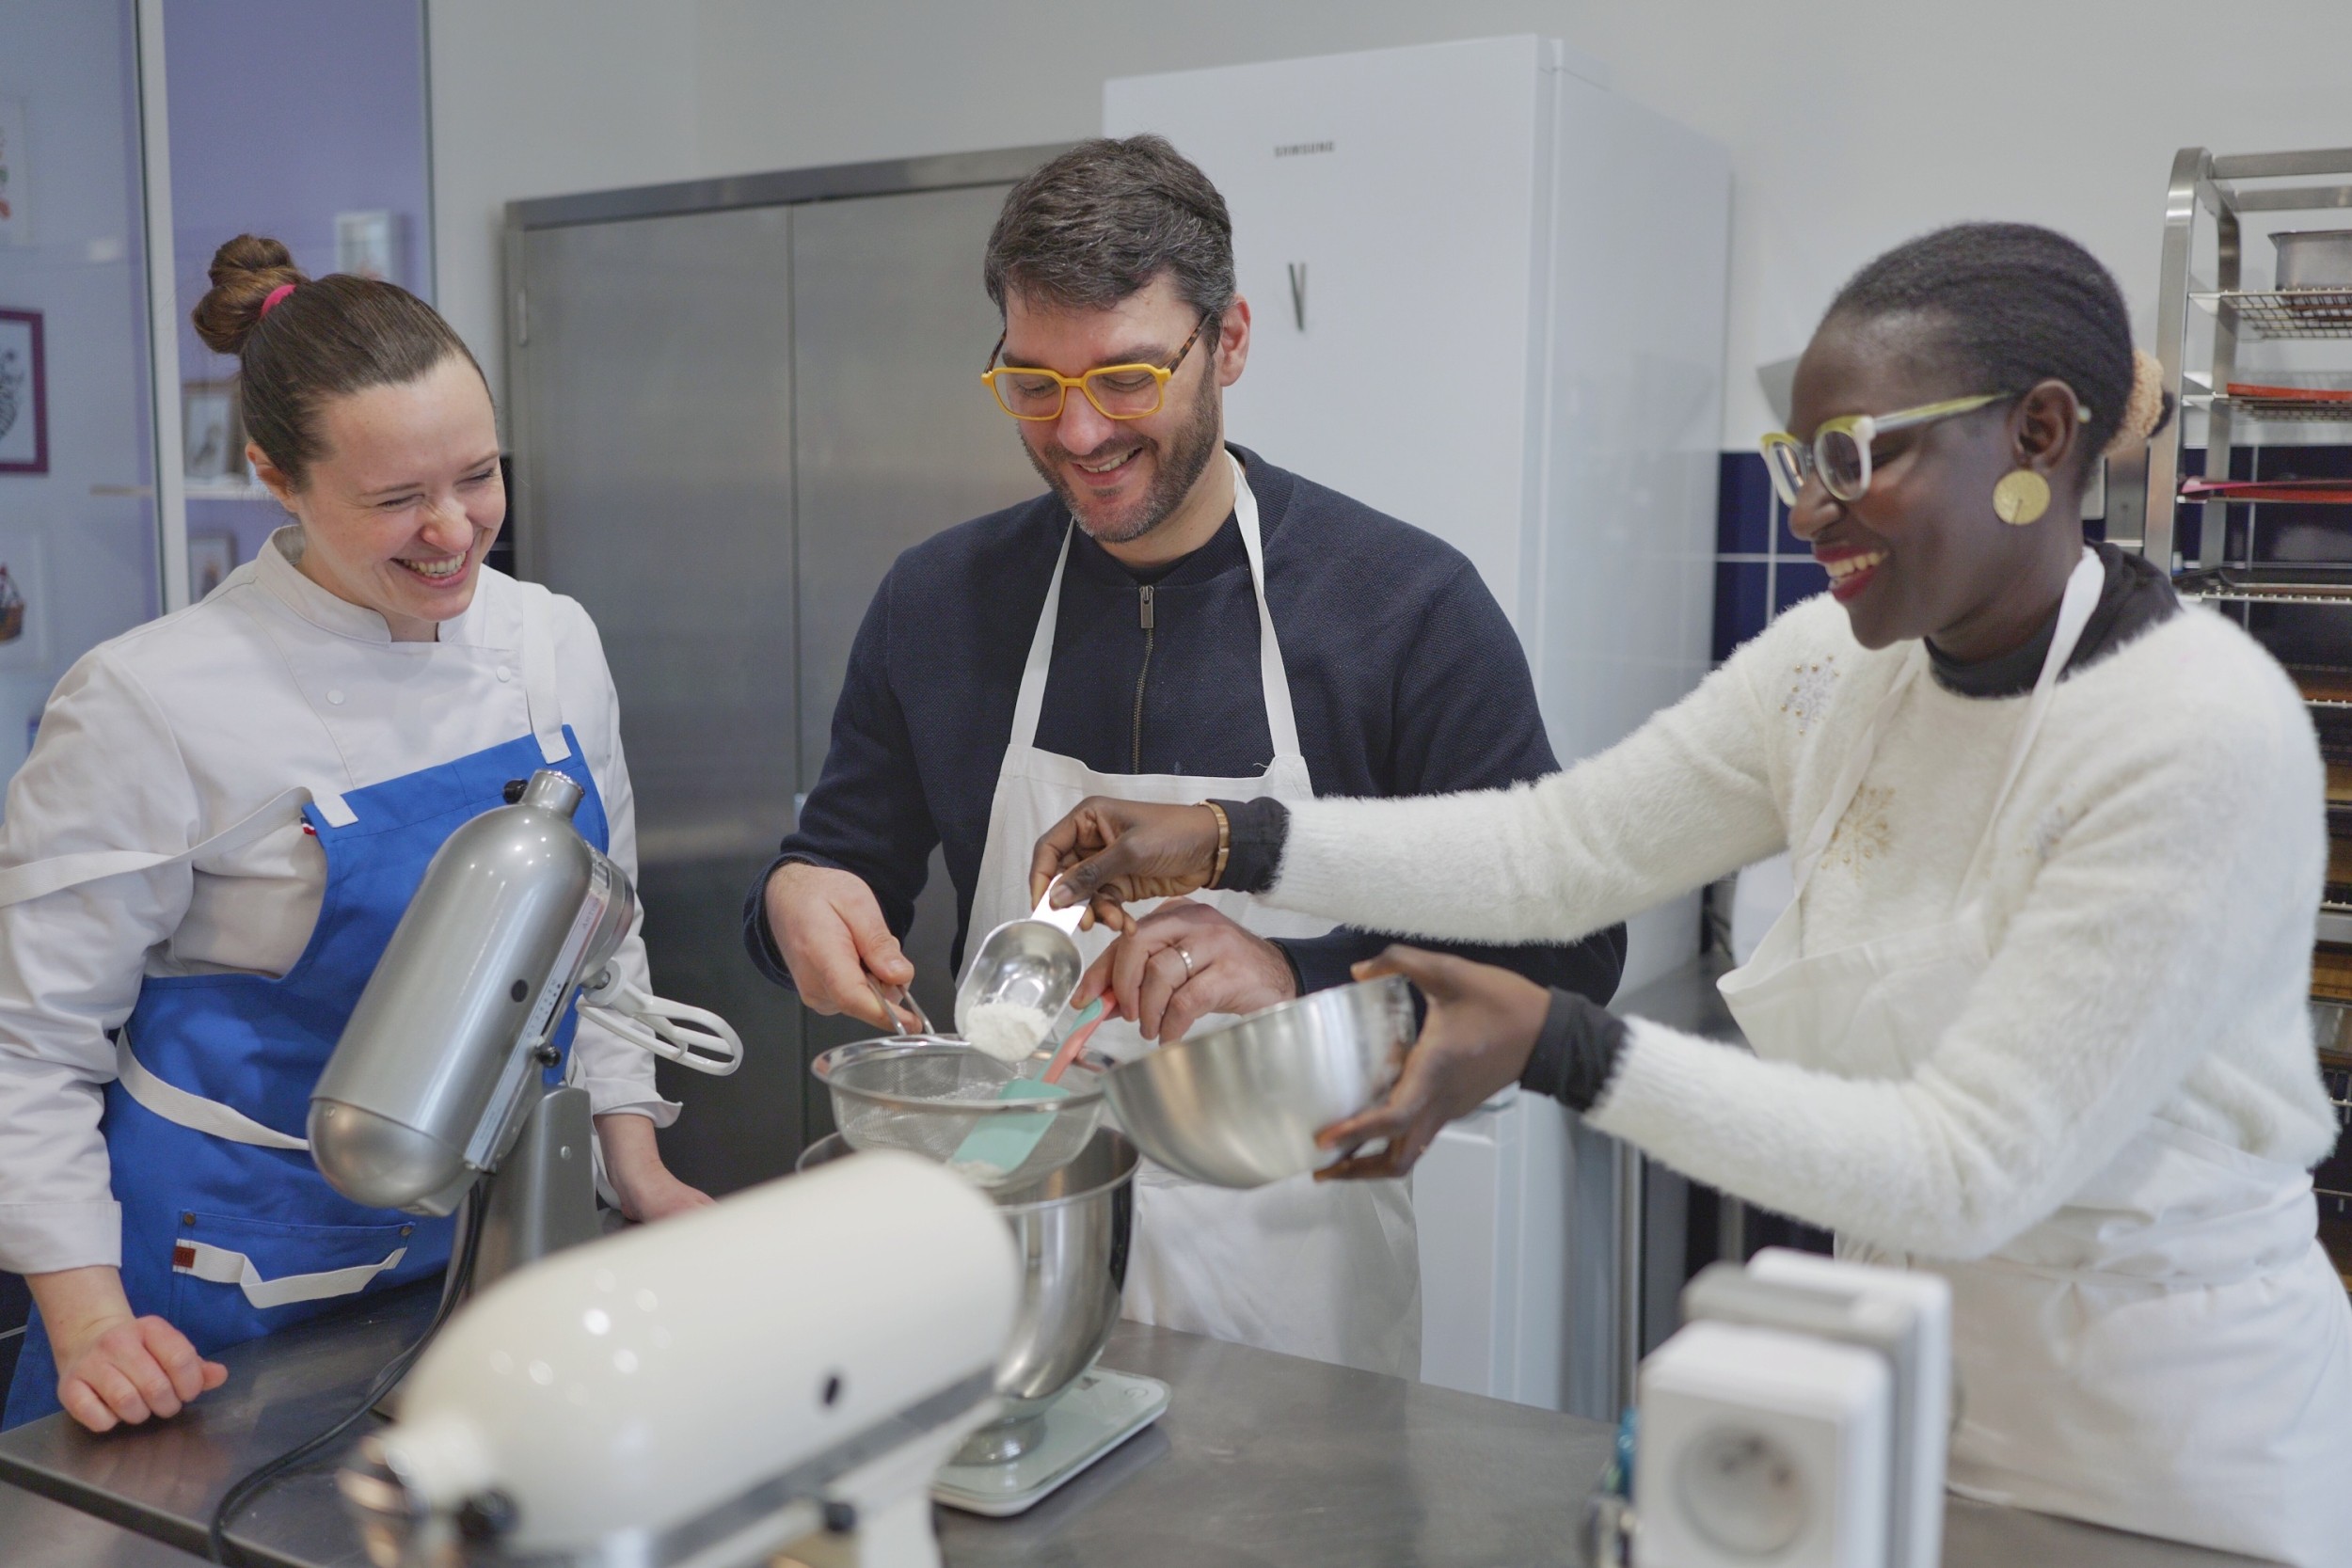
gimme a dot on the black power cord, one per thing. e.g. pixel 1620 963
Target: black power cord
pixel 254 1482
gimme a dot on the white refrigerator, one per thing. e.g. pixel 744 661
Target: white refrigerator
pixel 1488 298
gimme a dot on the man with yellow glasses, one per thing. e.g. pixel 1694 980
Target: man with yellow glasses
pixel 1176 619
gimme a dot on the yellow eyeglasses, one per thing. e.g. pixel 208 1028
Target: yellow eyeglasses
pixel 1116 391
pixel 1841 453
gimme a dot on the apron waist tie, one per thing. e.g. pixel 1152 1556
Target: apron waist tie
pixel 2238 1273
pixel 220 1266
pixel 177 1106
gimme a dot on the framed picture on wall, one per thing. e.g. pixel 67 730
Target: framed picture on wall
pixel 211 557
pixel 23 599
pixel 211 444
pixel 24 395
pixel 16 222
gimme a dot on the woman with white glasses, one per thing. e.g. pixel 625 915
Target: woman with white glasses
pixel 2036 1018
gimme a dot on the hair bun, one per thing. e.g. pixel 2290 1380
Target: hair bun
pixel 2146 409
pixel 243 272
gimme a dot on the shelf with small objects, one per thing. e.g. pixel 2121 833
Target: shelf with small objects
pixel 2248 494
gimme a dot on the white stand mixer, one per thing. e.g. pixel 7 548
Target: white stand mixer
pixel 781 1374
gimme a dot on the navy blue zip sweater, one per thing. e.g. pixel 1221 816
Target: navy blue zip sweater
pixel 1406 679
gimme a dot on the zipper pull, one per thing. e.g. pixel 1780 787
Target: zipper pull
pixel 1146 592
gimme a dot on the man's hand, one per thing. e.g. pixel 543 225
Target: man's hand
pixel 633 1163
pixel 1112 853
pixel 114 1368
pixel 1481 1029
pixel 833 938
pixel 1146 971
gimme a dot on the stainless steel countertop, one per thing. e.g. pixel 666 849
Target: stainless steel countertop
pixel 1260 1459
pixel 38 1533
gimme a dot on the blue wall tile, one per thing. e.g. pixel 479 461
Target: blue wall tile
pixel 1784 542
pixel 1740 612
pixel 1744 503
pixel 1795 582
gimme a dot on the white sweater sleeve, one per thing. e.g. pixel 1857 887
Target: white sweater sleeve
pixel 103 774
pixel 2158 920
pixel 618 1076
pixel 1687 798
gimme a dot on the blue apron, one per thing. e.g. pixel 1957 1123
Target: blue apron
pixel 231 1237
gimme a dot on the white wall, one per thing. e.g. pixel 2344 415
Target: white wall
pixel 1852 124
pixel 545 98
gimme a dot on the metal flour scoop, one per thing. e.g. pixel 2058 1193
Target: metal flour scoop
pixel 1024 970
pixel 1031 964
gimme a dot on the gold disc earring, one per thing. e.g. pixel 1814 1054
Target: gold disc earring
pixel 2020 498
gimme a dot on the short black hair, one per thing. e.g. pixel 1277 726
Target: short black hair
pixel 1102 220
pixel 2017 305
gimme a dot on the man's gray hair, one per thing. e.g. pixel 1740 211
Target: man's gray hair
pixel 1103 219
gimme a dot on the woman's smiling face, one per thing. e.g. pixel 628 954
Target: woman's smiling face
pixel 1921 554
pixel 404 500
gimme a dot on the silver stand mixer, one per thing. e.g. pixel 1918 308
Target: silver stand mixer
pixel 438 1081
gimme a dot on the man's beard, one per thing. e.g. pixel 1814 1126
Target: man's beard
pixel 1182 461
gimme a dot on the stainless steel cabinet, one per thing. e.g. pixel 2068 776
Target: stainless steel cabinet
pixel 734 404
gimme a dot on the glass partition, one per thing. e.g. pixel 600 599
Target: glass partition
pixel 77 492
pixel 304 124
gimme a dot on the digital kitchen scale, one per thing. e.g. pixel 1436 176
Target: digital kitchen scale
pixel 1099 1411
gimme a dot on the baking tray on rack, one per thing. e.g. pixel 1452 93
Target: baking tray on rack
pixel 2298 585
pixel 2284 313
pixel 2261 400
pixel 2296 491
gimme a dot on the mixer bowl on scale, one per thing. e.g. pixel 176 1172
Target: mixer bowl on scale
pixel 1072 1229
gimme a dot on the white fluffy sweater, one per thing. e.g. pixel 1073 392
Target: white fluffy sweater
pixel 2149 900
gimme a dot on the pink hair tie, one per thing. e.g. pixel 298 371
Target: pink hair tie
pixel 273 296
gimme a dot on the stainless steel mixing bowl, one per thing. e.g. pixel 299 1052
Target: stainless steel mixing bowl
pixel 1071 1228
pixel 1239 1106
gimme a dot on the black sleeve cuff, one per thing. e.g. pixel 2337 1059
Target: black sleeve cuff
pixel 1575 1053
pixel 759 941
pixel 1298 975
pixel 1260 827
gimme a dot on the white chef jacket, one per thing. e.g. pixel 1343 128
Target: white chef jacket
pixel 177 729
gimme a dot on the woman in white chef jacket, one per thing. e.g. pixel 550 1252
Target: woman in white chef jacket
pixel 222 819
pixel 2036 1016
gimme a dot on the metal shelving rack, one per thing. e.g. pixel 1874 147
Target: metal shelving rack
pixel 2221 190
pixel 2212 193
pixel 2144 489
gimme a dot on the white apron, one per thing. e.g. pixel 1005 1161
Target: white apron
pixel 2170 1352
pixel 1330 1269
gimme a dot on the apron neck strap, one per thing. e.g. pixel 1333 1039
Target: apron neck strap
pixel 2083 588
pixel 1281 721
pixel 1031 702
pixel 539 686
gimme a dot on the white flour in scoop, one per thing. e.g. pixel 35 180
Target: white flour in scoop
pixel 1008 1031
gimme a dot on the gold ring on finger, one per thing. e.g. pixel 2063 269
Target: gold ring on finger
pixel 1187 957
